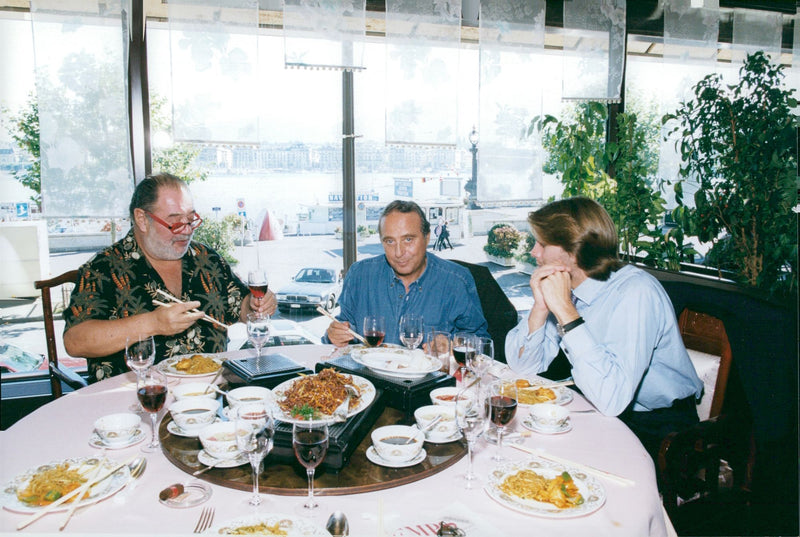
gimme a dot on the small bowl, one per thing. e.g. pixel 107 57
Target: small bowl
pixel 447 396
pixel 192 390
pixel 391 442
pixel 219 440
pixel 549 417
pixel 446 427
pixel 117 429
pixel 248 394
pixel 194 413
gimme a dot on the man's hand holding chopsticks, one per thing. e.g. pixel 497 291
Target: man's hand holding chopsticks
pixel 173 317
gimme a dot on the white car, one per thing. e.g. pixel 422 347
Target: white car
pixel 281 332
pixel 311 287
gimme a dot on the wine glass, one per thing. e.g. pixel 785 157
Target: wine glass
pixel 439 347
pixel 140 353
pixel 310 442
pixel 258 283
pixel 464 346
pixel 374 330
pixel 501 405
pixel 151 388
pixel 255 430
pixel 411 330
pixel 258 330
pixel 471 421
pixel 482 359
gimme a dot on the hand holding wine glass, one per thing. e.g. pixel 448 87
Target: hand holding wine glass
pixel 374 330
pixel 501 406
pixel 258 330
pixel 310 442
pixel 151 388
pixel 255 430
pixel 258 283
pixel 411 330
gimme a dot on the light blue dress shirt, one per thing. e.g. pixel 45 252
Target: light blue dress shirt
pixel 629 348
pixel 445 295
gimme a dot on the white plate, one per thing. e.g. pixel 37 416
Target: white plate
pixel 373 457
pixel 97 442
pixel 443 439
pixel 208 460
pixel 294 526
pixel 396 362
pixel 168 366
pixel 104 489
pixel 528 423
pixel 563 394
pixel 365 387
pixel 594 495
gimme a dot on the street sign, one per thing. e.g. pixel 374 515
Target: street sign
pixel 240 204
pixel 243 214
pixel 22 210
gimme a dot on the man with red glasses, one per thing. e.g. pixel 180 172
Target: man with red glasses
pixel 113 300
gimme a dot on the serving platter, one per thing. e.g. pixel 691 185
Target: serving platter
pixel 168 367
pixel 396 361
pixel 364 386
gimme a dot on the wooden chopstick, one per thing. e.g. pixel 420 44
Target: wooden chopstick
pixel 583 467
pixel 553 385
pixel 172 298
pixel 352 332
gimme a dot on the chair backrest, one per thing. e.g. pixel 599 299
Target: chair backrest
pixel 710 351
pixel 70 276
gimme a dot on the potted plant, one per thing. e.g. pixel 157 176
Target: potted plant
pixel 525 261
pixel 501 244
pixel 218 235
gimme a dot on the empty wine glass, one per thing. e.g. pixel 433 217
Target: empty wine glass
pixel 482 359
pixel 501 406
pixel 411 330
pixel 438 343
pixel 258 330
pixel 255 430
pixel 151 388
pixel 374 330
pixel 310 442
pixel 258 283
pixel 140 353
pixel 471 421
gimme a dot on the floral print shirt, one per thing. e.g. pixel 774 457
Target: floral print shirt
pixel 119 282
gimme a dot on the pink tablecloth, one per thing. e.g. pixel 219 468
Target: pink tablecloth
pixel 61 429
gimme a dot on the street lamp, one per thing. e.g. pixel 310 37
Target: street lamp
pixel 472 185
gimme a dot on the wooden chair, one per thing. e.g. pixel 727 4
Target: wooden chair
pixel 57 374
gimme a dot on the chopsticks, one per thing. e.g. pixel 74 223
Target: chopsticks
pixel 173 299
pixel 553 385
pixel 583 467
pixel 82 490
pixel 352 332
pixel 92 482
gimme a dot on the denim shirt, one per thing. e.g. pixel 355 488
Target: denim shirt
pixel 445 295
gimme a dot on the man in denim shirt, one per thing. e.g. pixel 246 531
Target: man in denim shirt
pixel 407 279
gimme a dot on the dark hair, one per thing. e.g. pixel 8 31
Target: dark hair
pixel 582 227
pixel 145 194
pixel 406 207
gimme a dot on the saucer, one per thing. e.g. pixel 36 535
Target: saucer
pixel 173 428
pixel 529 424
pixel 208 460
pixel 374 458
pixel 444 439
pixel 97 442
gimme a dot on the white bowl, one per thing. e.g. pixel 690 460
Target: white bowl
pixel 549 417
pixel 446 427
pixel 219 440
pixel 191 390
pixel 194 413
pixel 248 394
pixel 393 445
pixel 446 396
pixel 117 429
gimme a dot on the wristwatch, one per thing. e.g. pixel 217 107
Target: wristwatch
pixel 562 330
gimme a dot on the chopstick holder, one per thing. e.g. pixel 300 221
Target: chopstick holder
pixel 36 516
pixel 178 301
pixel 353 333
pixel 583 467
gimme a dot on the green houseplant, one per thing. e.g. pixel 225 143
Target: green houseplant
pixel 737 143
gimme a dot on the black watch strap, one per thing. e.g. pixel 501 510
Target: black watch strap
pixel 562 330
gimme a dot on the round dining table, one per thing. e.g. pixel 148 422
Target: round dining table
pixel 62 429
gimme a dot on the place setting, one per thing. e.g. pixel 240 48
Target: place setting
pixel 397 446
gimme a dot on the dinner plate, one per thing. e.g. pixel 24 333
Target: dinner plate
pixel 100 491
pixel 365 387
pixel 375 458
pixel 594 495
pixel 168 366
pixel 97 442
pixel 209 460
pixel 528 423
pixel 563 394
pixel 293 526
pixel 396 362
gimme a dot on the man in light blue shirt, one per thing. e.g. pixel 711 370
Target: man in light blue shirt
pixel 407 279
pixel 615 323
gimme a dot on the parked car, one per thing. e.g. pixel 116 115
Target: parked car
pixel 311 287
pixel 284 332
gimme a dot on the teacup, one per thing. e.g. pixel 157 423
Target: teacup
pixel 193 389
pixel 194 413
pixel 447 396
pixel 117 429
pixel 248 394
pixel 446 428
pixel 397 443
pixel 219 440
pixel 549 417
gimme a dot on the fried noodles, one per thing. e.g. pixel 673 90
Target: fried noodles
pixel 197 365
pixel 323 392
pixel 47 486
pixel 560 491
pixel 261 528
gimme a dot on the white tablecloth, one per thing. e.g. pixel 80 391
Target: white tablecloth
pixel 62 428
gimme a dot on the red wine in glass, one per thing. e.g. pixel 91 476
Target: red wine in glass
pixel 461 353
pixel 374 338
pixel 152 397
pixel 258 291
pixel 502 409
pixel 310 447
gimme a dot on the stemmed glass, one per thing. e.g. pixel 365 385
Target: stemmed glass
pixel 151 389
pixel 471 421
pixel 439 347
pixel 140 353
pixel 464 346
pixel 258 330
pixel 501 406
pixel 310 442
pixel 481 360
pixel 374 330
pixel 255 430
pixel 258 283
pixel 411 330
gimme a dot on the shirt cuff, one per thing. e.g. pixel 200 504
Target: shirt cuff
pixel 578 342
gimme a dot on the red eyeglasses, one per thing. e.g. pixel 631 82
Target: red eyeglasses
pixel 178 227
